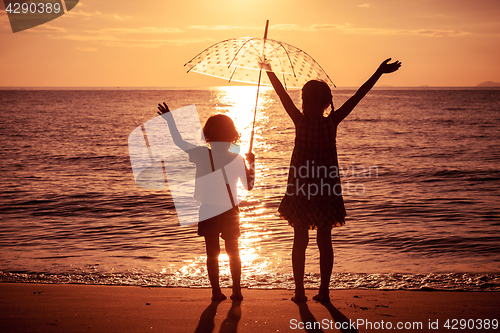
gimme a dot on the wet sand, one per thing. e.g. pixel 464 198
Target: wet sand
pixel 26 307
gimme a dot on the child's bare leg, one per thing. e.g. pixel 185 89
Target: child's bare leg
pixel 235 265
pixel 300 241
pixel 324 241
pixel 213 251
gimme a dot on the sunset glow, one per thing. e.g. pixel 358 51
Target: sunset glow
pixel 130 44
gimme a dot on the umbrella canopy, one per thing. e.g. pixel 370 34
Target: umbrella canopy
pixel 238 60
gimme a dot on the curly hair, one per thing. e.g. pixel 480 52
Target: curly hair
pixel 220 128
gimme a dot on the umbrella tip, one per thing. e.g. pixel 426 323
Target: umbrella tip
pixel 265 32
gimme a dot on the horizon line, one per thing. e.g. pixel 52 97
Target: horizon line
pixel 219 86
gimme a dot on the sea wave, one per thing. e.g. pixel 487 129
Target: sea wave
pixel 339 281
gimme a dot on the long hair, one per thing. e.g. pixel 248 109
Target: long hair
pixel 316 96
pixel 220 128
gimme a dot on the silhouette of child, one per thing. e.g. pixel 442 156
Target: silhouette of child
pixel 215 216
pixel 313 199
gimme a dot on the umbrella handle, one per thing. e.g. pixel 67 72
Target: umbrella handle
pixel 251 143
pixel 255 113
pixel 257 98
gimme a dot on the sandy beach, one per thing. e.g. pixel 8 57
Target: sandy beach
pixel 29 307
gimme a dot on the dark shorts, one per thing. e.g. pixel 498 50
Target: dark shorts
pixel 226 224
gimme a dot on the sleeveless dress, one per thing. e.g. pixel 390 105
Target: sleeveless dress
pixel 313 199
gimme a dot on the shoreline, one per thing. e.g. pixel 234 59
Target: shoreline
pixel 484 282
pixel 33 307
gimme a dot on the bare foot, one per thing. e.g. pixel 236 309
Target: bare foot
pixel 236 297
pixel 322 298
pixel 218 297
pixel 299 299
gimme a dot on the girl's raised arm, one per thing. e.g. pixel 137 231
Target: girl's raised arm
pixel 174 132
pixel 351 103
pixel 285 99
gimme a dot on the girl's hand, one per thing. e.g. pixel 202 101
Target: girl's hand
pixel 163 108
pixel 385 67
pixel 250 158
pixel 265 65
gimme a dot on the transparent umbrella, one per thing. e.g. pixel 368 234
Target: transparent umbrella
pixel 239 60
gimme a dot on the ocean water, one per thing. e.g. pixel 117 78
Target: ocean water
pixel 420 171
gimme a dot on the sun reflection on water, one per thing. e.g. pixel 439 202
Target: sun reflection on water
pixel 238 102
pixel 255 267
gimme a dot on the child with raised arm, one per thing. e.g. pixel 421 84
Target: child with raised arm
pixel 215 217
pixel 313 199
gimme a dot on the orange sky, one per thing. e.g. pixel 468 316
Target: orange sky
pixel 146 43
